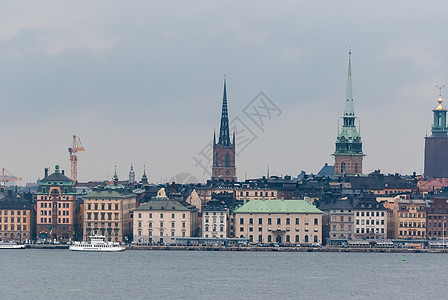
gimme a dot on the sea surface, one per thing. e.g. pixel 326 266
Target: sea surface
pixel 62 274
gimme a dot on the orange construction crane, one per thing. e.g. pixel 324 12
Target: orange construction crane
pixel 8 177
pixel 76 147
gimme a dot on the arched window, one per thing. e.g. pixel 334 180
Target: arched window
pixel 306 239
pixel 269 238
pixel 356 168
pixel 297 239
pixel 342 167
pixel 260 238
pixel 216 159
pixel 315 238
pixel 227 161
pixel 288 240
pixel 251 238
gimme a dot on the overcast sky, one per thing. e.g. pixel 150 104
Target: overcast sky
pixel 141 82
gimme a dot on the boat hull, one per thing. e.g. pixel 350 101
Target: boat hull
pixel 97 249
pixel 12 247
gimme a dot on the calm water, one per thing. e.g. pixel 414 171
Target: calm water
pixel 62 274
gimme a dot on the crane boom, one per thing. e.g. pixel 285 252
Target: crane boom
pixel 76 147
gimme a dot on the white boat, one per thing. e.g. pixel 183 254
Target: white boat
pixel 97 244
pixel 11 245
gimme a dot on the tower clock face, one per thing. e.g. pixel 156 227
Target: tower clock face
pixel 227 172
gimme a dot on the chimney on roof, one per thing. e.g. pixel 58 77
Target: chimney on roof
pixel 46 172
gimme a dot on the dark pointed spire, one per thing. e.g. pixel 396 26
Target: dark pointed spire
pixel 214 137
pixel 224 137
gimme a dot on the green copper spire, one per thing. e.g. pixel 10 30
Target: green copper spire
pixel 439 126
pixel 349 139
pixel 349 111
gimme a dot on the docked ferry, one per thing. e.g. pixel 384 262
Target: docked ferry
pixel 11 245
pixel 97 244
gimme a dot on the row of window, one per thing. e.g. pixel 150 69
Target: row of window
pixel 412 215
pixel 266 194
pixel 435 224
pixel 60 220
pixel 342 227
pixel 59 204
pixel 161 224
pixel 13 227
pixel 437 233
pixel 161 215
pixel 260 229
pixel 415 224
pixel 214 228
pixel 102 215
pixel 372 230
pixel 412 233
pixel 221 219
pixel 342 218
pixel 369 214
pixel 12 219
pixel 214 213
pixel 103 206
pixel 11 212
pixel 102 224
pixel 370 222
pixel 436 217
pixel 279 221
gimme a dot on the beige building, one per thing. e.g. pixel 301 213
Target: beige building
pixel 108 211
pixel 282 221
pixel 406 218
pixel 162 220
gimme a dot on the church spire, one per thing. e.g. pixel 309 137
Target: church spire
pixel 349 111
pixel 224 137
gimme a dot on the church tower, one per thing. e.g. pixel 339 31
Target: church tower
pixel 436 145
pixel 224 150
pixel 348 155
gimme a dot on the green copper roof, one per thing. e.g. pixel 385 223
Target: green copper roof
pixel 163 204
pixel 278 206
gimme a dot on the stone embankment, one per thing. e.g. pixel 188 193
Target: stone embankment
pixel 287 249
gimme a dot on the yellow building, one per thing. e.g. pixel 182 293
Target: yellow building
pixel 108 211
pixel 16 216
pixel 406 218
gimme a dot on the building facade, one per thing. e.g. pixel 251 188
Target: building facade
pixel 436 145
pixel 348 155
pixel 370 219
pixel 224 168
pixel 406 218
pixel 108 211
pixel 56 201
pixel 437 215
pixel 162 220
pixel 338 220
pixel 281 221
pixel 16 216
pixel 215 220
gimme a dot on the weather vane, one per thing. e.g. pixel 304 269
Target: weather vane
pixel 440 87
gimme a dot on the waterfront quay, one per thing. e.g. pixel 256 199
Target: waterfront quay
pixel 287 249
